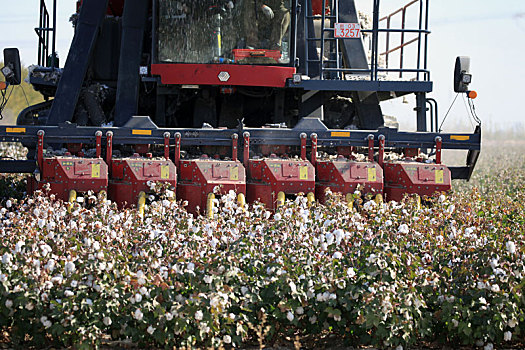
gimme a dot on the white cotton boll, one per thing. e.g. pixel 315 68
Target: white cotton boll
pixel 69 268
pixel 6 259
pixel 337 255
pixel 489 346
pixel 399 347
pixel 290 316
pixel 41 223
pixel 512 323
pixel 372 258
pixel 138 298
pixel 96 245
pixel 293 287
pixel 455 322
pixel 18 246
pixel 89 301
pixel 350 272
pixel 46 249
pixel 495 288
pixel 403 228
pixel 227 339
pixel 277 216
pixel 244 290
pixel 208 279
pixel 494 263
pixel 68 293
pixel 138 315
pixel 107 321
pixel 50 266
pixel 511 247
pixel 169 316
pixel 8 303
pixel 324 246
pixel 8 203
pixel 369 205
pixel 151 330
pixel 199 315
pixel 329 238
pixel 507 336
pixel 191 266
pixel 312 319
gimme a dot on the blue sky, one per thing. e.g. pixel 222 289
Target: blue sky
pixel 492 33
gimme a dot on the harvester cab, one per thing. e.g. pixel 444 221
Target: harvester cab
pixel 268 98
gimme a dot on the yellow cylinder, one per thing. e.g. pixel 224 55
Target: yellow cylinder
pixel 417 201
pixel 280 199
pixel 310 197
pixel 72 199
pixel 102 194
pixel 379 198
pixel 141 203
pixel 241 200
pixel 350 201
pixel 209 205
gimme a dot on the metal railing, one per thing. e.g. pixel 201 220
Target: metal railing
pixel 402 44
pixel 44 31
pixel 421 33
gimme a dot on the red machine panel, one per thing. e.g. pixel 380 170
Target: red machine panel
pixel 68 173
pixel 130 176
pixel 412 177
pixel 199 177
pixel 222 74
pixel 344 176
pixel 272 175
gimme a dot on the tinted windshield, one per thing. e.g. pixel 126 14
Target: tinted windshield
pixel 212 31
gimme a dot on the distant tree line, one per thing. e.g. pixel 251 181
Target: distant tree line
pixel 17 101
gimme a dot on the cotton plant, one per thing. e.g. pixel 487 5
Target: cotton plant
pixel 389 274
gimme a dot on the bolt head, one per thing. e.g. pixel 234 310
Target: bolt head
pixel 224 76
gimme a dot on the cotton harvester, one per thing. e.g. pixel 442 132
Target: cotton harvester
pixel 269 98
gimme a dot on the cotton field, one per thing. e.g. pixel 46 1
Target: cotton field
pixel 392 275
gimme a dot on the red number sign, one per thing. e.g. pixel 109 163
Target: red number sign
pixel 347 30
